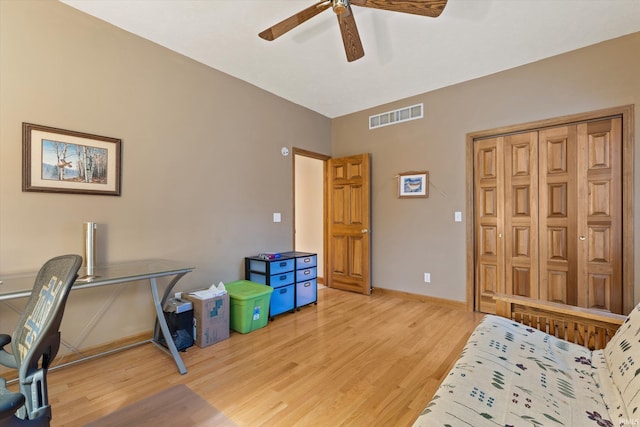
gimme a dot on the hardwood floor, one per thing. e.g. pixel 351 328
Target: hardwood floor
pixel 352 360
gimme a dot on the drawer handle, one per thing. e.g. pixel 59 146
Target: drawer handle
pixel 283 291
pixel 283 277
pixel 306 285
pixel 307 272
pixel 283 264
pixel 307 260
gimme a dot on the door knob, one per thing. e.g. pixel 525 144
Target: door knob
pixel 365 231
pixel 582 238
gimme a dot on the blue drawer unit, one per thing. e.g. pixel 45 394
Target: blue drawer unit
pixel 306 292
pixel 279 273
pixel 270 267
pixel 306 274
pixel 274 280
pixel 306 261
pixel 282 300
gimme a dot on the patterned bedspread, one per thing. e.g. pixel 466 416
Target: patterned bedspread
pixel 512 375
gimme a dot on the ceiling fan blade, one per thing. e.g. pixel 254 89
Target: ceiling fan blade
pixel 293 21
pixel 350 37
pixel 432 8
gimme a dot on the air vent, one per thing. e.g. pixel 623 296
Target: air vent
pixel 396 116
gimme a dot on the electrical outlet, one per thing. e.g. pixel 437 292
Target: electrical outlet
pixel 427 277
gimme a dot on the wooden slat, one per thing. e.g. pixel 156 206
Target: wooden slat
pixel 600 341
pixel 571 333
pixel 552 326
pixel 542 324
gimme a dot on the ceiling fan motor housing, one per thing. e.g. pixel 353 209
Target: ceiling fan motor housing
pixel 339 6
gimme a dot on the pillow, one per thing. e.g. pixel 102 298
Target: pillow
pixel 622 354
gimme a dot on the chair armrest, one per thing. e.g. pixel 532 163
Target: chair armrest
pixel 587 327
pixel 6 358
pixel 9 402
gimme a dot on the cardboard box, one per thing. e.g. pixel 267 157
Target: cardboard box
pixel 210 319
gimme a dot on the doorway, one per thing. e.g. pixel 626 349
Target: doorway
pixel 309 205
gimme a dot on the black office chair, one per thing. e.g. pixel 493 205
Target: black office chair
pixel 35 343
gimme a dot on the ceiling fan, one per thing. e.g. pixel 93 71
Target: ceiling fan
pixel 348 29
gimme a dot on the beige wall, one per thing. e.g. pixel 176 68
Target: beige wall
pixel 410 237
pixel 202 169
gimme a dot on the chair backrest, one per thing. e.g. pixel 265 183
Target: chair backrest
pixel 43 313
pixel 36 339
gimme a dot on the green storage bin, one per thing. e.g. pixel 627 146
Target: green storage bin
pixel 249 305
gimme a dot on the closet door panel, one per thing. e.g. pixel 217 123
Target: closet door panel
pixel 600 220
pixel 489 207
pixel 557 198
pixel 521 214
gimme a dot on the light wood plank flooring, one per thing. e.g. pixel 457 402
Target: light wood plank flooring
pixel 352 360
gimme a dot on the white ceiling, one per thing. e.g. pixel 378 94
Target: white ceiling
pixel 405 55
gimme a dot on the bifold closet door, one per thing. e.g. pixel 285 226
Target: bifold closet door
pixel 548 215
pixel 581 215
pixel 506 223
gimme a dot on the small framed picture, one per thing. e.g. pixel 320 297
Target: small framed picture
pixel 413 184
pixel 65 161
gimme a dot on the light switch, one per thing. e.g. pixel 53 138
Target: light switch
pixel 277 217
pixel 458 216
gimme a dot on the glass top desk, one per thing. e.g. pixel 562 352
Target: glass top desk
pixel 19 286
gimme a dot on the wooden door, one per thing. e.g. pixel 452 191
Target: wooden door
pixel 581 215
pixel 558 215
pixel 506 188
pixel 558 236
pixel 348 207
pixel 599 226
pixel 489 205
pixel 521 213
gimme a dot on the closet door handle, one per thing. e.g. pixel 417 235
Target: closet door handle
pixel 582 238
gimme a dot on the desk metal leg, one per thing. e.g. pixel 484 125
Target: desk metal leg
pixel 157 302
pixel 169 288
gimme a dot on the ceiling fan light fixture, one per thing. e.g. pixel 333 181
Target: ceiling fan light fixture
pixel 340 6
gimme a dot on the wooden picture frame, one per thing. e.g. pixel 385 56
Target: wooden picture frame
pixel 64 161
pixel 413 185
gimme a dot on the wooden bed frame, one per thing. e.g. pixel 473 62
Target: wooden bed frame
pixel 590 328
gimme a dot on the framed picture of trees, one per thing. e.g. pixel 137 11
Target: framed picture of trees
pixel 64 161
